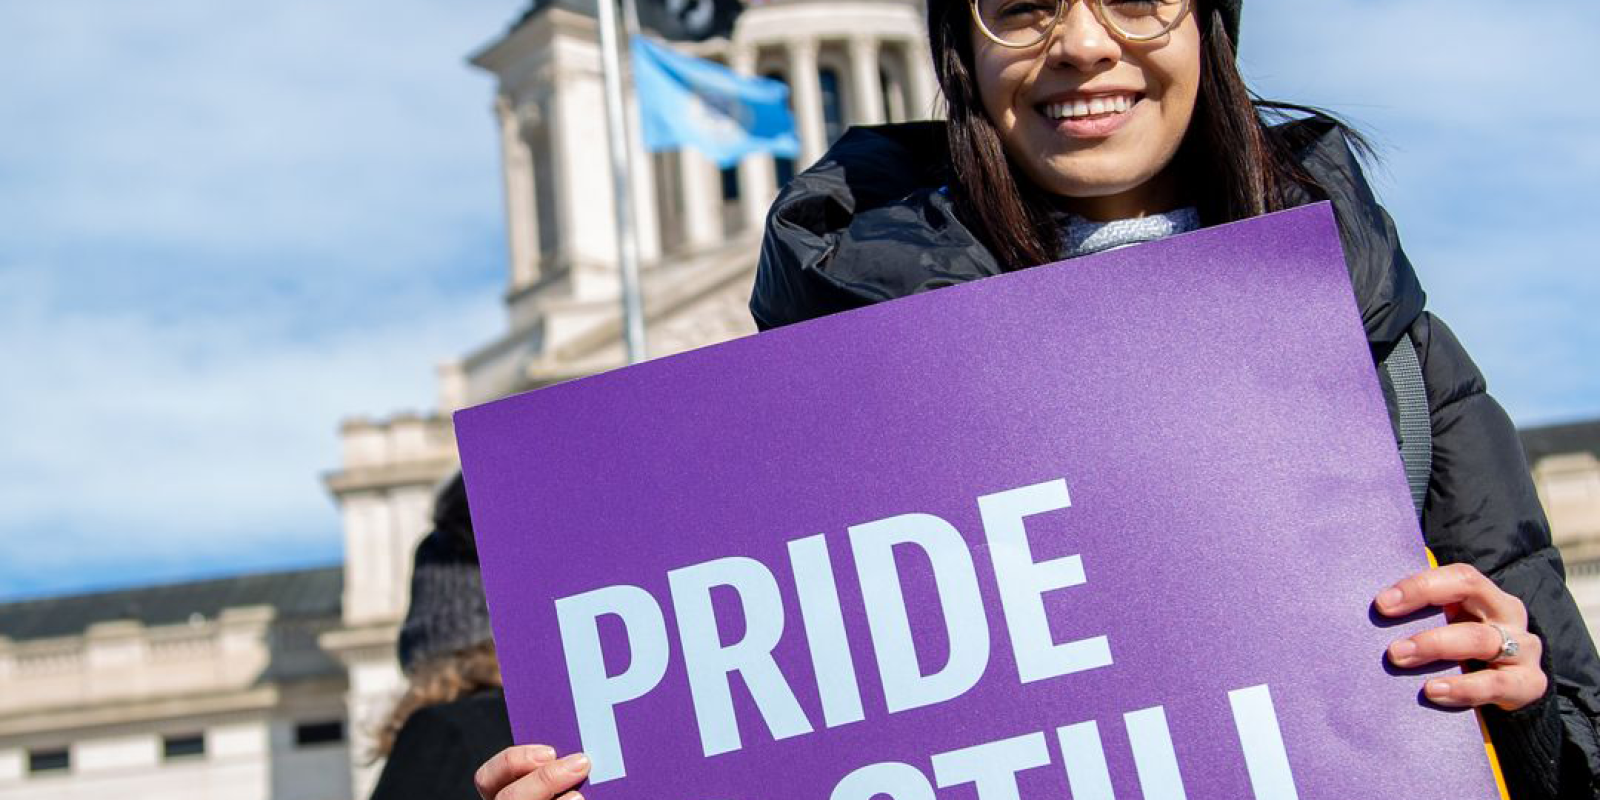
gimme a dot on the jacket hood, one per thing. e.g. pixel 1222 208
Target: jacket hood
pixel 869 222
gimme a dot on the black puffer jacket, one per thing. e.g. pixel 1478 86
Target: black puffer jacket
pixel 868 223
pixel 440 748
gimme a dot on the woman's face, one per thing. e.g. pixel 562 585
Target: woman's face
pixel 1091 117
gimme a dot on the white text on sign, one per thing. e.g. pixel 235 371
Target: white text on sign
pixel 710 664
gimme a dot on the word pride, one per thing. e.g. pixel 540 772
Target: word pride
pixel 991 767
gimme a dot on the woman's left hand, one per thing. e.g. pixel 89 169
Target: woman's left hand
pixel 1483 620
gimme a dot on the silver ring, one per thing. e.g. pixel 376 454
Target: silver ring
pixel 1508 646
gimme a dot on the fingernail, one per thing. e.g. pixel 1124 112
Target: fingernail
pixel 542 752
pixel 1390 597
pixel 1401 652
pixel 577 762
pixel 1437 690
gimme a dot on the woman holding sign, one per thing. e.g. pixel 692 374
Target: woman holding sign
pixel 1077 126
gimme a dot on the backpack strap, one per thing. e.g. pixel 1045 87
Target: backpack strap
pixel 1416 425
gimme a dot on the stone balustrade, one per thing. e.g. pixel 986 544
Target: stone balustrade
pixel 124 661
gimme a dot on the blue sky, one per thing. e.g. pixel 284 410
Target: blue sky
pixel 1491 151
pixel 225 226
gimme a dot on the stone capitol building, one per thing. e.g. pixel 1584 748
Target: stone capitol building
pixel 269 686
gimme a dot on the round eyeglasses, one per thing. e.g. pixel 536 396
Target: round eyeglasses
pixel 1025 23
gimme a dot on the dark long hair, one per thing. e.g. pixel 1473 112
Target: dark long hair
pixel 1234 147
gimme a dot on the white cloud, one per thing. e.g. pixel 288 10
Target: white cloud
pixel 1471 62
pixel 342 129
pixel 227 226
pixel 135 441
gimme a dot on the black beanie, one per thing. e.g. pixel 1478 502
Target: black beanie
pixel 1230 18
pixel 447 611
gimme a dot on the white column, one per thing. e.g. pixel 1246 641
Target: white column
pixel 924 86
pixel 897 92
pixel 757 173
pixel 583 187
pixel 522 212
pixel 866 91
pixel 807 93
pixel 702 199
pixel 375 681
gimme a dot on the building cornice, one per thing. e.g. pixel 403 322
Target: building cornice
pixel 667 291
pixel 363 643
pixel 535 35
pixel 1581 561
pixel 259 698
pixel 388 476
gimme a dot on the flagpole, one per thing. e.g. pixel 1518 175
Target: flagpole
pixel 630 18
pixel 622 182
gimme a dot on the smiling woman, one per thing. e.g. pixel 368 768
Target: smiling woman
pixel 1188 119
pixel 1103 132
pixel 1075 126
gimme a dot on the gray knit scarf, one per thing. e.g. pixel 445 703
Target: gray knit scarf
pixel 1084 237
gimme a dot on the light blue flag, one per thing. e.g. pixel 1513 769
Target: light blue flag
pixel 690 102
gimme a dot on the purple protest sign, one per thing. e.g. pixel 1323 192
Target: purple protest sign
pixel 1110 527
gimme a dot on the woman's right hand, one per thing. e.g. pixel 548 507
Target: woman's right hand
pixel 531 772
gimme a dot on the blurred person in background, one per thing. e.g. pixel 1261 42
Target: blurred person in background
pixel 452 716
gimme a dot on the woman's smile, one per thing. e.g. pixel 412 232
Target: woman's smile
pixel 1089 115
